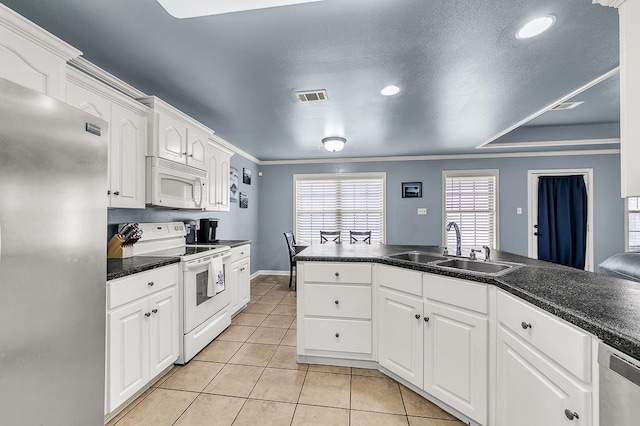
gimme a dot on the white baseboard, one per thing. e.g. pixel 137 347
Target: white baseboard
pixel 269 272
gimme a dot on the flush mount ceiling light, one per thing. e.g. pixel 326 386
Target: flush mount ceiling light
pixel 390 91
pixel 334 143
pixel 194 8
pixel 536 27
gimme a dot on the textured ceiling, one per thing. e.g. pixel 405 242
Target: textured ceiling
pixel 464 76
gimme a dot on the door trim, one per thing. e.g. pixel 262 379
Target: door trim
pixel 532 188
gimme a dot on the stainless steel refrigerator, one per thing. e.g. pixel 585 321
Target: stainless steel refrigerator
pixel 53 224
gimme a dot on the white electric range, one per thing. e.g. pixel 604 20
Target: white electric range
pixel 204 301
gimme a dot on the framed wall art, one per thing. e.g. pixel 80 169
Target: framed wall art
pixel 411 189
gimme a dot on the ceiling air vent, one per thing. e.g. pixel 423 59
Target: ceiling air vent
pixel 312 96
pixel 566 105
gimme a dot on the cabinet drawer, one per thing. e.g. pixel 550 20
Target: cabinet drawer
pixel 400 279
pixel 127 289
pixel 563 343
pixel 337 300
pixel 338 335
pixel 463 294
pixel 326 272
pixel 240 252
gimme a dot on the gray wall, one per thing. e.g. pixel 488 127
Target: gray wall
pixel 404 226
pixel 235 224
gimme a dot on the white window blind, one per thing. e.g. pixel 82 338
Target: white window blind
pixel 330 202
pixel 470 200
pixel 633 212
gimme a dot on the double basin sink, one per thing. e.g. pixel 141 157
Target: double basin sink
pixel 467 265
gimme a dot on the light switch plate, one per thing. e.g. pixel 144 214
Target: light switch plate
pixel 422 210
pixel 519 210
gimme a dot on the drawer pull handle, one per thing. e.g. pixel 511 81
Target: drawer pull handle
pixel 150 283
pixel 525 325
pixel 155 311
pixel 417 316
pixel 337 334
pixel 337 302
pixel 426 319
pixel 337 274
pixel 148 314
pixel 571 414
pixel 116 193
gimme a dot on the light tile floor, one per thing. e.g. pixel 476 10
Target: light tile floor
pixel 249 376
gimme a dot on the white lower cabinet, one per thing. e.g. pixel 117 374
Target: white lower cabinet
pixel 142 331
pixel 456 358
pixel 532 391
pixel 400 335
pixel 238 277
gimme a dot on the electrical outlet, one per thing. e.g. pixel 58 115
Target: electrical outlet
pixel 519 210
pixel 422 210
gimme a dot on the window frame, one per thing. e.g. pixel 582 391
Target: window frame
pixel 472 173
pixel 347 176
pixel 627 231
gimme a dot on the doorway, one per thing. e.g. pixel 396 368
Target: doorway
pixel 532 231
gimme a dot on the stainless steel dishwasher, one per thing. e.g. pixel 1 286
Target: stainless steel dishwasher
pixel 619 388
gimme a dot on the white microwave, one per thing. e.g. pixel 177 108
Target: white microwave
pixel 174 185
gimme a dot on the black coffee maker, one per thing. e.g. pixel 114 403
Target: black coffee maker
pixel 207 231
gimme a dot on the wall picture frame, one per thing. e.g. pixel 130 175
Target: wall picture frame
pixel 411 189
pixel 246 176
pixel 244 200
pixel 233 185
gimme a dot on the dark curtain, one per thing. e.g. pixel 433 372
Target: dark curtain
pixel 562 220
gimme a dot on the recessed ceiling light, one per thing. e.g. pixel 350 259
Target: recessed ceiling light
pixel 536 27
pixel 390 91
pixel 195 8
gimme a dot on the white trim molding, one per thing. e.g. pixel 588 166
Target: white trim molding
pixel 234 149
pixel 99 74
pixel 551 105
pixel 609 3
pixel 544 144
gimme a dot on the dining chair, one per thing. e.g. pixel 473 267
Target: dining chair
pixel 291 243
pixel 359 236
pixel 330 236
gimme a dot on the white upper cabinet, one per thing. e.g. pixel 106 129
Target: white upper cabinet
pixel 218 165
pixel 175 136
pixel 31 56
pixel 629 93
pixel 127 136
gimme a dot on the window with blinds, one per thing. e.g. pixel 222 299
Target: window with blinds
pixel 470 200
pixel 633 223
pixel 344 202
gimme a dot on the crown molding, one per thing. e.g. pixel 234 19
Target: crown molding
pixel 551 105
pixel 443 157
pixel 37 35
pixel 232 148
pixel 544 144
pixel 610 3
pixel 98 73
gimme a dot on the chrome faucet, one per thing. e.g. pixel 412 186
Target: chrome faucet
pixel 487 253
pixel 458 237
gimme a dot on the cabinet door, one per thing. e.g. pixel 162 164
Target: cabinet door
pixel 244 282
pixel 94 104
pixel 196 149
pixel 224 168
pixel 126 158
pixel 213 164
pixel 128 348
pixel 164 334
pixel 532 391
pixel 455 359
pixel 172 142
pixel 400 335
pixel 232 279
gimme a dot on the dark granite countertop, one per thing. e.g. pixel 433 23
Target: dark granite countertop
pixel 604 306
pixel 234 243
pixel 118 268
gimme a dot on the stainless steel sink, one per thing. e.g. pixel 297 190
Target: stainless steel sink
pixel 489 268
pixel 417 257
